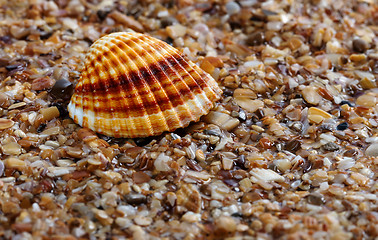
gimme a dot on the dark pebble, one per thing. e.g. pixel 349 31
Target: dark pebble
pixel 62 108
pixel 140 142
pixel 6 39
pixel 255 39
pixel 351 153
pixel 167 21
pixel 205 189
pixel 342 126
pixel 346 102
pixel 331 146
pixel 228 92
pixel 240 162
pixel 260 113
pixel 293 145
pixel 135 199
pixel 41 127
pixel 13 67
pixel 315 199
pixel 237 214
pixel 242 115
pixel 284 120
pixel 101 14
pixel 307 166
pixel 62 89
pixel 360 45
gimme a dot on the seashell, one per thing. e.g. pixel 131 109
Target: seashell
pixel 134 85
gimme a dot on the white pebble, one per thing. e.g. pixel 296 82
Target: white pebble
pixel 232 8
pixel 372 150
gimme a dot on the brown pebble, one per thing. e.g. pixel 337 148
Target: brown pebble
pixel 225 225
pixel 315 199
pixel 293 145
pixel 255 39
pixel 140 177
pixel 4 100
pixel 42 83
pixel 5 123
pixel 136 199
pixel 360 45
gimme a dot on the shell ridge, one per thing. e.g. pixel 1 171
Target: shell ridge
pixel 169 65
pixel 126 48
pixel 161 68
pixel 197 102
pixel 128 79
pixel 155 81
pixel 90 93
pixel 108 96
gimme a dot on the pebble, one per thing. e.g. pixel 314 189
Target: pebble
pixel 176 31
pixel 360 45
pixel 14 163
pixel 311 95
pixel 224 225
pixel 293 145
pixel 315 199
pixel 346 102
pixel 255 39
pixel 136 199
pixel 331 146
pixel 372 150
pixel 1 168
pixel 342 126
pixel 167 21
pixel 11 148
pixel 232 8
pixel 5 123
pixel 367 100
pixel 62 88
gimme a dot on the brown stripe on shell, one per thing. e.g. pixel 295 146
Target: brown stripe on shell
pixel 153 102
pixel 160 93
pixel 113 84
pixel 161 69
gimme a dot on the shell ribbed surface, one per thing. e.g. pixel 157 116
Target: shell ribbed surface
pixel 134 85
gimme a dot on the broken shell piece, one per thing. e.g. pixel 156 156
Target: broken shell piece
pixel 134 85
pixel 317 115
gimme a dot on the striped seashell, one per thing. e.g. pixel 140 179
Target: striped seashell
pixel 134 85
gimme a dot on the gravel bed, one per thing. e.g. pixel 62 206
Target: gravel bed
pixel 289 152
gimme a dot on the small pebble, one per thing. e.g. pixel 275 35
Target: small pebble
pixel 342 126
pixel 62 89
pixel 293 145
pixel 315 199
pixel 360 45
pixel 167 21
pixel 331 146
pixel 136 199
pixel 255 39
pixel 13 67
pixel 346 102
pixel 372 150
pixel 232 8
